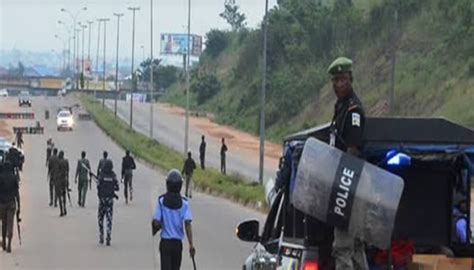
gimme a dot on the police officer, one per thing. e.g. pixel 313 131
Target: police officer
pixel 188 169
pixel 49 149
pixel 460 231
pixel 101 162
pixel 52 166
pixel 82 172
pixel 62 182
pixel 347 127
pixel 9 203
pixel 223 155
pixel 14 155
pixel 202 152
pixel 128 165
pixel 172 212
pixel 106 186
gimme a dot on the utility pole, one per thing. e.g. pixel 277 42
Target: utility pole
pixel 77 57
pixel 262 98
pixel 188 57
pixel 83 26
pixel 118 15
pixel 393 60
pixel 89 50
pixel 133 9
pixel 97 57
pixel 151 69
pixel 104 20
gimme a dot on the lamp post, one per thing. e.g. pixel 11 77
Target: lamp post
pixel 118 15
pixel 82 58
pixel 151 69
pixel 262 98
pixel 188 52
pixel 69 45
pixel 104 20
pixel 74 19
pixel 89 50
pixel 97 57
pixel 133 9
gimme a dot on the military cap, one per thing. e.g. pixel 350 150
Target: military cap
pixel 340 65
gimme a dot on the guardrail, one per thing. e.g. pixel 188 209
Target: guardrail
pixel 29 130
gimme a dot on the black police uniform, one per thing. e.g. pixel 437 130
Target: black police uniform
pixel 348 123
pixel 128 165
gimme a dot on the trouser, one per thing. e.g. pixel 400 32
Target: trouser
pixel 106 209
pixel 82 191
pixel 128 185
pixel 61 197
pixel 7 215
pixel 189 185
pixel 52 193
pixel 170 254
pixel 348 251
pixel 202 158
pixel 223 164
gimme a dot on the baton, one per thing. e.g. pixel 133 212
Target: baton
pixel 90 173
pixel 18 220
pixel 69 196
pixel 194 262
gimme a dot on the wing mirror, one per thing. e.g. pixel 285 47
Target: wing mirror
pixel 248 231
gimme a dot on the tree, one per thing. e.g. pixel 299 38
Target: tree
pixel 233 16
pixel 21 69
pixel 206 87
pixel 163 76
pixel 216 42
pixel 82 80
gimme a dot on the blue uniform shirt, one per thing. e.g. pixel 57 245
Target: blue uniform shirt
pixel 172 220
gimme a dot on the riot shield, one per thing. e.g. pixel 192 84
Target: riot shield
pixel 347 192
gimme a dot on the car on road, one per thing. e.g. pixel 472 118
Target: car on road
pixel 24 98
pixel 439 161
pixel 4 92
pixel 64 120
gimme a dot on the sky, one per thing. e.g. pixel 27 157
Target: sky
pixel 32 24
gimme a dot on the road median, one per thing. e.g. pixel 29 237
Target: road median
pixel 211 181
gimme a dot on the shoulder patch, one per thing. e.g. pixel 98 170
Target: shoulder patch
pixel 356 119
pixel 353 107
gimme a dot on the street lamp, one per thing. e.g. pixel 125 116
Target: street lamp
pixel 151 69
pixel 143 52
pixel 133 9
pixel 89 50
pixel 69 45
pixel 188 52
pixel 97 57
pixel 262 98
pixel 118 15
pixel 83 26
pixel 104 20
pixel 74 19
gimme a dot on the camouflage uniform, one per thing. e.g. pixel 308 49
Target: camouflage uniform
pixel 83 175
pixel 62 182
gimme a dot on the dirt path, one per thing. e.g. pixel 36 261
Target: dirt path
pixel 240 140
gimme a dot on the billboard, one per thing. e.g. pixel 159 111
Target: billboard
pixel 178 44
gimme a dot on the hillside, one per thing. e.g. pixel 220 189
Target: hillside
pixel 434 63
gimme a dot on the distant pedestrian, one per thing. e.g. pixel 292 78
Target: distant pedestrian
pixel 82 173
pixel 173 217
pixel 202 152
pixel 128 165
pixel 101 162
pixel 223 156
pixel 188 169
pixel 106 186
pixel 19 139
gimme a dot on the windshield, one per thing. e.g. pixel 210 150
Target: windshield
pixel 64 114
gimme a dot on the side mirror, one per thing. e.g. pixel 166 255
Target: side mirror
pixel 248 231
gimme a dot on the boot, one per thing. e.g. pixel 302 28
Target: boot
pixel 9 246
pixel 4 244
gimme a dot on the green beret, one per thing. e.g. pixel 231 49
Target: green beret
pixel 340 65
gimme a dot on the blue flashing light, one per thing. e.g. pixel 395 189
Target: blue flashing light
pixel 397 159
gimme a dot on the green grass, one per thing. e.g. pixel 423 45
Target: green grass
pixel 153 152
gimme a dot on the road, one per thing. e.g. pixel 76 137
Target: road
pixel 168 129
pixel 71 242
